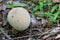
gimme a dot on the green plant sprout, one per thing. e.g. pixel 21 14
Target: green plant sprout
pixel 52 17
pixel 39 6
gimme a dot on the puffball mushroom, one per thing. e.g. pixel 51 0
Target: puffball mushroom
pixel 19 18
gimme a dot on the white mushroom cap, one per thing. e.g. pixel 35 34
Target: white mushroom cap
pixel 19 18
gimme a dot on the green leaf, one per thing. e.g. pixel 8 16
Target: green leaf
pixel 39 14
pixel 54 8
pixel 36 8
pixel 55 16
pixel 48 14
pixel 16 5
pixel 41 4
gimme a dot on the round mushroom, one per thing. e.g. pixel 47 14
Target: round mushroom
pixel 19 18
